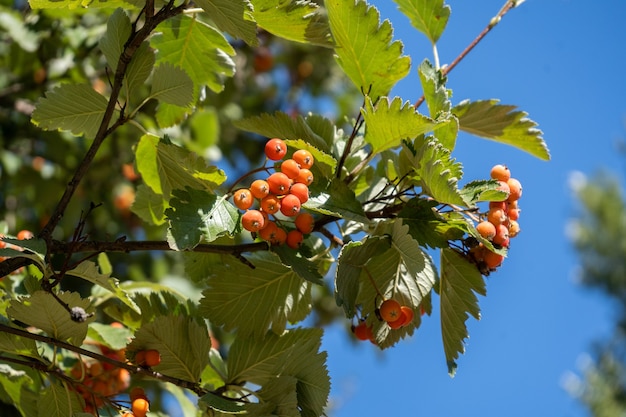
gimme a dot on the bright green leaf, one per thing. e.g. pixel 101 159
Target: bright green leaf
pixel 42 310
pixel 365 48
pixel 388 123
pixel 196 214
pixel 501 123
pixel 13 385
pixel 182 341
pixel 172 85
pixel 299 21
pixel 114 337
pixel 232 16
pixel 437 99
pixel 149 206
pixel 77 108
pixel 112 42
pixel 460 282
pixel 428 16
pixel 483 190
pixel 251 300
pixel 78 5
pixel 169 115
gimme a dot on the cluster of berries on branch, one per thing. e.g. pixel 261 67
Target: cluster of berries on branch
pixel 391 312
pixel 282 193
pixel 500 224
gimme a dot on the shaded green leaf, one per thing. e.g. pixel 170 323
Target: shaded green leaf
pixel 18 345
pixel 13 385
pixel 57 400
pixel 139 68
pixel 172 85
pixel 149 206
pixel 365 48
pixel 14 24
pixel 388 123
pixel 460 282
pixel 338 200
pixel 428 16
pixel 223 404
pixel 278 397
pixel 234 17
pixel 427 226
pixel 251 300
pixel 77 108
pixel 501 123
pixel 117 34
pixel 171 336
pixel 303 267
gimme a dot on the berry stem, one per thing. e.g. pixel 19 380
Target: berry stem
pixel 246 175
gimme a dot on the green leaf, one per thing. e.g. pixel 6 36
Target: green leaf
pixel 77 108
pixel 482 190
pixel 437 172
pixel 139 68
pixel 78 5
pixel 149 206
pixel 202 51
pixel 169 115
pixel 251 300
pixel 114 337
pixel 112 42
pixel 303 267
pixel 338 200
pixel 388 123
pixel 223 404
pixel 365 48
pixel 501 123
pixel 172 85
pixel 43 311
pixel 234 17
pixel 165 166
pixel 183 343
pixel 196 214
pixel 295 353
pixel 57 400
pixel 299 21
pixel 278 397
pixel 428 16
pixel 427 226
pixel 460 282
pixel 88 271
pixel 17 28
pixel 18 345
pixel 13 385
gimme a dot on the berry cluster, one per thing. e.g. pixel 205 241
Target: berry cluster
pixel 148 358
pixel 284 192
pixel 501 221
pixel 391 312
pixel 21 235
pixel 139 403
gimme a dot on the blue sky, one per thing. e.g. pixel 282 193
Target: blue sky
pixel 562 62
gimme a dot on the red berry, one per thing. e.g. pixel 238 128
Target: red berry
pixel 270 204
pixel 279 183
pixel 290 168
pixel 275 149
pixel 515 188
pixel 252 220
pixel 301 191
pixel 259 189
pixel 305 177
pixel 502 236
pixel 390 310
pixel 304 158
pixel 243 199
pixel 294 239
pixel 362 331
pixel 290 205
pixel 305 222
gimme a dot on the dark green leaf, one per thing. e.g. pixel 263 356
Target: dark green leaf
pixel 172 85
pixel 223 404
pixel 303 267
pixel 338 200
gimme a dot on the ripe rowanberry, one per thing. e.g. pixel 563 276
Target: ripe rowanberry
pixel 486 229
pixel 259 189
pixel 406 316
pixel 301 191
pixel 268 232
pixel 294 239
pixel 280 237
pixel 153 357
pixel 305 222
pixel 290 205
pixel 25 235
pixel 500 172
pixel 140 407
pixel 498 205
pixel 270 204
pixel 515 189
pixel 252 220
pixel 305 176
pixel 514 214
pixel 390 310
pixel 243 199
pixel 137 392
pixel 491 259
pixel 304 158
pixel 290 168
pixel 502 236
pixel 514 229
pixel 275 149
pixel 362 331
pixel 496 216
pixel 504 187
pixel 279 183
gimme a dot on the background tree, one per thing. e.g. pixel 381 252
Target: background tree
pixel 128 133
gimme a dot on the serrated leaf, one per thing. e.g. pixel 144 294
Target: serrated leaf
pixel 460 282
pixel 139 68
pixel 56 400
pixel 501 123
pixel 89 272
pixel 18 345
pixel 295 353
pixel 165 166
pixel 426 225
pixel 202 51
pixel 303 267
pixel 77 108
pixel 428 16
pixel 112 42
pixel 149 206
pixel 388 123
pixel 196 214
pixel 482 190
pixel 43 311
pixel 223 404
pixel 172 85
pixel 365 48
pixel 338 200
pixel 278 397
pixel 114 337
pixel 251 301
pixel 169 115
pixel 438 173
pixel 182 341
pixel 437 98
pixel 299 21
pixel 234 17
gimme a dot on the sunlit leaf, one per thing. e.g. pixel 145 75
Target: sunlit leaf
pixel 338 200
pixel 232 16
pixel 428 16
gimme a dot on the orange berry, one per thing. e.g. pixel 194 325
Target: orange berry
pixel 279 183
pixel 140 407
pixel 496 216
pixel 500 172
pixel 127 414
pixel 280 237
pixel 304 158
pixel 294 239
pixel 514 229
pixel 502 236
pixel 290 205
pixel 259 189
pixel 486 229
pixel 498 205
pixel 153 357
pixel 305 222
pixel 390 310
pixel 137 392
pixel 301 191
pixel 275 149
pixel 362 331
pixel 515 189
pixel 514 214
pixel 270 204
pixel 409 313
pixel 305 177
pixel 268 232
pixel 492 259
pixel 25 234
pixel 140 357
pixel 252 220
pixel 243 199
pixel 290 168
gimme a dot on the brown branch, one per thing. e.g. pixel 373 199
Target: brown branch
pixel 121 245
pixel 492 23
